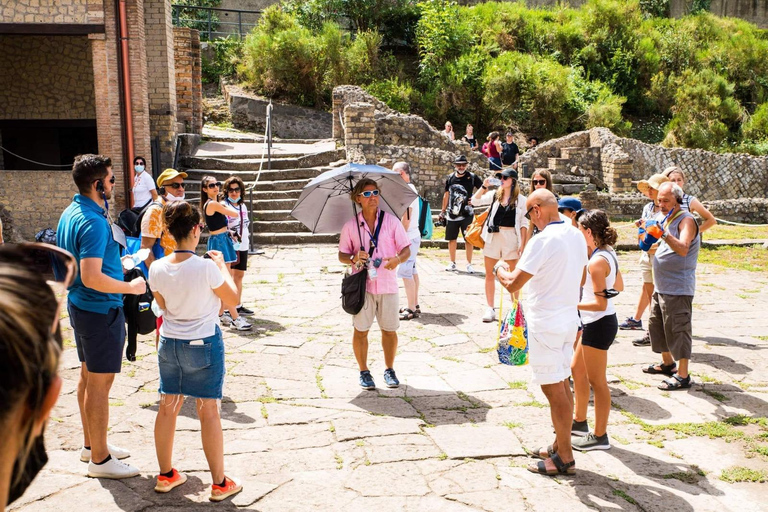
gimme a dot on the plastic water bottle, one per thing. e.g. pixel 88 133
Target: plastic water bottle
pixel 135 259
pixel 494 182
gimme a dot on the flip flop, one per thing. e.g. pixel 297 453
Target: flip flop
pixel 561 468
pixel 661 370
pixel 675 383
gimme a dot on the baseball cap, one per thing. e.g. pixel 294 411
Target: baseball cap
pixel 653 182
pixel 509 173
pixel 568 203
pixel 169 174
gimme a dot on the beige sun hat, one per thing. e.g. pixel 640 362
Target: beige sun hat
pixel 653 182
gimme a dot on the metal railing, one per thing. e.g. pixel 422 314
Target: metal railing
pixel 214 22
pixel 268 143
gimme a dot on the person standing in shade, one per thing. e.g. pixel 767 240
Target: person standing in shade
pixel 457 212
pixel 552 269
pixel 239 229
pixel 509 151
pixel 407 271
pixel 95 304
pixel 143 184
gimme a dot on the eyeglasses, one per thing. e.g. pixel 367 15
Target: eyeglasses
pixel 528 213
pixel 539 182
pixel 214 185
pixel 175 186
pixel 369 193
pixel 236 189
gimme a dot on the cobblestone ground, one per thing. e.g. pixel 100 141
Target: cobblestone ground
pixel 303 436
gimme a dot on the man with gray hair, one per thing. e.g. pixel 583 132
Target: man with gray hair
pixel 407 270
pixel 674 278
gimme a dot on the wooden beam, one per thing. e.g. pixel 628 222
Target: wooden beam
pixel 51 29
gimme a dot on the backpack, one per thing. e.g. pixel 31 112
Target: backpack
pixel 130 220
pixel 138 311
pixel 426 226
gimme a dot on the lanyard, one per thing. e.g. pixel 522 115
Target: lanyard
pixel 190 252
pixel 375 237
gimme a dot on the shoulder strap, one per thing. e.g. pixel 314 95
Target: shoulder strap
pixel 375 239
pixel 609 253
pixel 490 209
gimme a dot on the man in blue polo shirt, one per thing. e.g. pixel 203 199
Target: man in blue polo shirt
pixel 95 306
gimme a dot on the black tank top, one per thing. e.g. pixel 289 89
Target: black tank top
pixel 505 216
pixel 216 221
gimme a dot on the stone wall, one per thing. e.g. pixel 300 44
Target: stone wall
pixel 46 77
pixel 249 112
pixel 189 88
pixel 51 11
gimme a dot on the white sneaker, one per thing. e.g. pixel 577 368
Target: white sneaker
pixel 225 318
pixel 115 451
pixel 240 324
pixel 451 267
pixel 490 315
pixel 112 469
pixel 470 270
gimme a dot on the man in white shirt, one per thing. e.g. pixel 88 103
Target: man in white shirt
pixel 407 270
pixel 552 269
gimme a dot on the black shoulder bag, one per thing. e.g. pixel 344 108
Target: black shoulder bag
pixel 353 285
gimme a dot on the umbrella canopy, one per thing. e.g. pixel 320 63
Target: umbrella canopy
pixel 325 206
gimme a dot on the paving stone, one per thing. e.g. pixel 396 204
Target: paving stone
pixel 403 479
pixel 357 427
pixel 450 339
pixel 476 441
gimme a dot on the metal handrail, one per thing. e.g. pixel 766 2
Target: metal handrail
pixel 209 21
pixel 250 189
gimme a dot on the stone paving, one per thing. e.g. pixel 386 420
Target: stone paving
pixel 303 436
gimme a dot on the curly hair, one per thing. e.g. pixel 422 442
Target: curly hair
pixel 602 231
pixel 180 218
pixel 230 181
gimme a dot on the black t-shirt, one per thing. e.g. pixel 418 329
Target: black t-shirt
pixel 471 141
pixel 469 182
pixel 509 152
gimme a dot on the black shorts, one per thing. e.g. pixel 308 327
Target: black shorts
pixel 452 227
pixel 600 333
pixel 242 261
pixel 99 338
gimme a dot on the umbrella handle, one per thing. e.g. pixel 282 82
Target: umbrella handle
pixel 354 212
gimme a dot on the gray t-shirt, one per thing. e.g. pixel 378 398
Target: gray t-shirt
pixel 674 274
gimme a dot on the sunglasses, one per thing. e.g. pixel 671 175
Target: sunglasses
pixel 236 189
pixel 369 193
pixel 539 182
pixel 506 178
pixel 139 162
pixel 528 213
pixel 214 185
pixel 175 185
pixel 111 180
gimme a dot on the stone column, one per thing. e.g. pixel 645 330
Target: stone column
pixel 338 104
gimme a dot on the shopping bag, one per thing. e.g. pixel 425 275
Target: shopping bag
pixel 512 346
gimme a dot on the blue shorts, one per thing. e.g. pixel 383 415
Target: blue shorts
pixel 407 269
pixel 192 368
pixel 99 338
pixel 223 243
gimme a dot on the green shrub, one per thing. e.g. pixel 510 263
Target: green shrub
pixel 227 54
pixel 655 8
pixel 396 94
pixel 756 127
pixel 441 35
pixel 606 112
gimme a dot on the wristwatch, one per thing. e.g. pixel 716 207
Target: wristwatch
pixel 664 235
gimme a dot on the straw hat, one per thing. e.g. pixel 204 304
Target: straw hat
pixel 653 182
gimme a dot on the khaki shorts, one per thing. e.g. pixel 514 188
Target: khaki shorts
pixel 502 245
pixel 383 307
pixel 646 267
pixel 550 354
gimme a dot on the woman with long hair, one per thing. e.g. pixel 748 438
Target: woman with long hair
pixel 690 203
pixel 493 151
pixel 216 214
pixel 541 179
pixel 505 230
pixel 234 190
pixel 590 357
pixel 189 289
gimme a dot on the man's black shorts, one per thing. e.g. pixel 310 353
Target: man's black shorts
pixel 99 338
pixel 452 227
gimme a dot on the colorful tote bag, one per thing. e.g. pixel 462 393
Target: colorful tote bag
pixel 512 346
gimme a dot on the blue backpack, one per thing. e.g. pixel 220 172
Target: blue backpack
pixel 425 219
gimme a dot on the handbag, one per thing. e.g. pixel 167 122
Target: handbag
pixel 474 231
pixel 512 345
pixel 353 286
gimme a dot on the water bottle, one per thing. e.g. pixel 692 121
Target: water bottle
pixel 494 182
pixel 135 259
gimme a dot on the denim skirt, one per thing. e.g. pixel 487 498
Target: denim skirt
pixel 194 368
pixel 223 243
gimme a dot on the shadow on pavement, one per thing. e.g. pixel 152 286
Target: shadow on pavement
pixel 440 319
pixel 126 491
pixel 720 362
pixel 641 407
pixel 228 410
pixel 717 341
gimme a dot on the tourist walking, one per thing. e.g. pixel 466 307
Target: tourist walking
pixel 552 268
pixel 674 278
pixel 95 305
pixel 504 231
pixel 509 151
pixel 239 231
pixel 143 185
pixel 190 357
pixel 457 211
pixel 690 203
pixel 375 239
pixel 407 270
pixel 590 358
pixel 469 137
pixel 492 149
pixel 216 214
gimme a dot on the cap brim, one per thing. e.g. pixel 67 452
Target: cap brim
pixel 643 186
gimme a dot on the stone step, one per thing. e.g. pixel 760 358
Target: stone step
pixel 558 164
pixel 254 164
pixel 279 226
pixel 274 204
pixel 293 174
pixel 271 215
pixel 295 238
pixel 562 189
pixel 569 179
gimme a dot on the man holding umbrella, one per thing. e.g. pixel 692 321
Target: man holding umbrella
pixel 377 239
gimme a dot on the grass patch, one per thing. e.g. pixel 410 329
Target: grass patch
pixel 267 399
pixel 684 476
pixel 703 377
pixel 451 358
pixel 626 497
pixel 511 424
pixel 339 461
pixel 116 403
pixel 742 474
pixel 517 384
pixel 533 403
pixel 751 259
pixel 442 456
pixel 264 413
pixel 714 394
pixel 360 443
pixel 657 443
pixel 762 338
pixel 332 428
pixel 319 382
pixel 486 350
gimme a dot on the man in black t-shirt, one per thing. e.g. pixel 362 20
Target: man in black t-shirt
pixel 456 211
pixel 509 151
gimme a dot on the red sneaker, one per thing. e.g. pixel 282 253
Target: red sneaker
pixel 165 484
pixel 231 486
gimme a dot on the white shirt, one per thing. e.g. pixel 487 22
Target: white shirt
pixel 191 307
pixel 589 294
pixel 143 185
pixel 413 228
pixel 234 223
pixel 555 258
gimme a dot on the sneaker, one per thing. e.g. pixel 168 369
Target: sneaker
pixel 470 270
pixel 242 310
pixel 115 451
pixel 113 468
pixel 490 315
pixel 630 324
pixel 231 486
pixel 165 484
pixel 451 267
pixel 240 324
pixel 645 341
pixel 390 378
pixel 579 428
pixel 225 318
pixel 366 380
pixel 591 442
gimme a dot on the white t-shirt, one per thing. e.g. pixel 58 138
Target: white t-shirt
pixel 143 185
pixel 413 228
pixel 555 258
pixel 589 294
pixel 191 307
pixel 234 223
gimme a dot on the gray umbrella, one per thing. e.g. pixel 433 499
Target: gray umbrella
pixel 325 206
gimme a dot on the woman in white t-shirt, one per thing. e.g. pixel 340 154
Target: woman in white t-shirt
pixel 144 189
pixel 590 358
pixel 189 289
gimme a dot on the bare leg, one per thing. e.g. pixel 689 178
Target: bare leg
pixel 512 264
pixel 469 248
pixel 596 362
pixel 580 383
pixel 416 282
pixel 237 277
pixel 165 429
pixel 389 344
pixel 645 300
pixel 562 415
pixel 97 412
pixel 82 384
pixel 411 291
pixel 682 367
pixel 213 437
pixel 360 347
pixel 452 250
pixel 490 281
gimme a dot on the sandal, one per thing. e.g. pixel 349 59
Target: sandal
pixel 408 314
pixel 675 383
pixel 661 368
pixel 537 453
pixel 561 468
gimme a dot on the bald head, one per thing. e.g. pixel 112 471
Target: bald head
pixel 543 207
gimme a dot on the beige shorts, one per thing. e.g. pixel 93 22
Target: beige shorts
pixel 646 267
pixel 384 308
pixel 550 354
pixel 502 245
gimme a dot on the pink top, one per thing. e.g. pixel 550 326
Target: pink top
pixel 392 240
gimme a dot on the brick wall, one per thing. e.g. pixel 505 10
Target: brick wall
pixel 189 92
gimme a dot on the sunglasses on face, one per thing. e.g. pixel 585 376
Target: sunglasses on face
pixel 235 189
pixel 506 178
pixel 539 182
pixel 528 213
pixel 213 185
pixel 139 162
pixel 111 180
pixel 174 186
pixel 369 193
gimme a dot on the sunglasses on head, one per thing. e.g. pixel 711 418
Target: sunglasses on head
pixel 174 185
pixel 233 189
pixel 539 182
pixel 216 184
pixel 369 193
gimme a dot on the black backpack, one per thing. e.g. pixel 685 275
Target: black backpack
pixel 137 308
pixel 130 220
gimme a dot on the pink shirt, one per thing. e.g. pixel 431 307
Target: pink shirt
pixel 392 240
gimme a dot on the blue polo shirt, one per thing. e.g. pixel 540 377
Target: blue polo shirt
pixel 85 232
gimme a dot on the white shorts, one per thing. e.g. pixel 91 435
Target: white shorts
pixel 550 354
pixel 407 269
pixel 385 308
pixel 502 245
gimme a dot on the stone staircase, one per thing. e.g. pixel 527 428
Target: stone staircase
pixel 567 182
pixel 275 191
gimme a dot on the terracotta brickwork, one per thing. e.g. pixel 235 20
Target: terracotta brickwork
pixel 189 92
